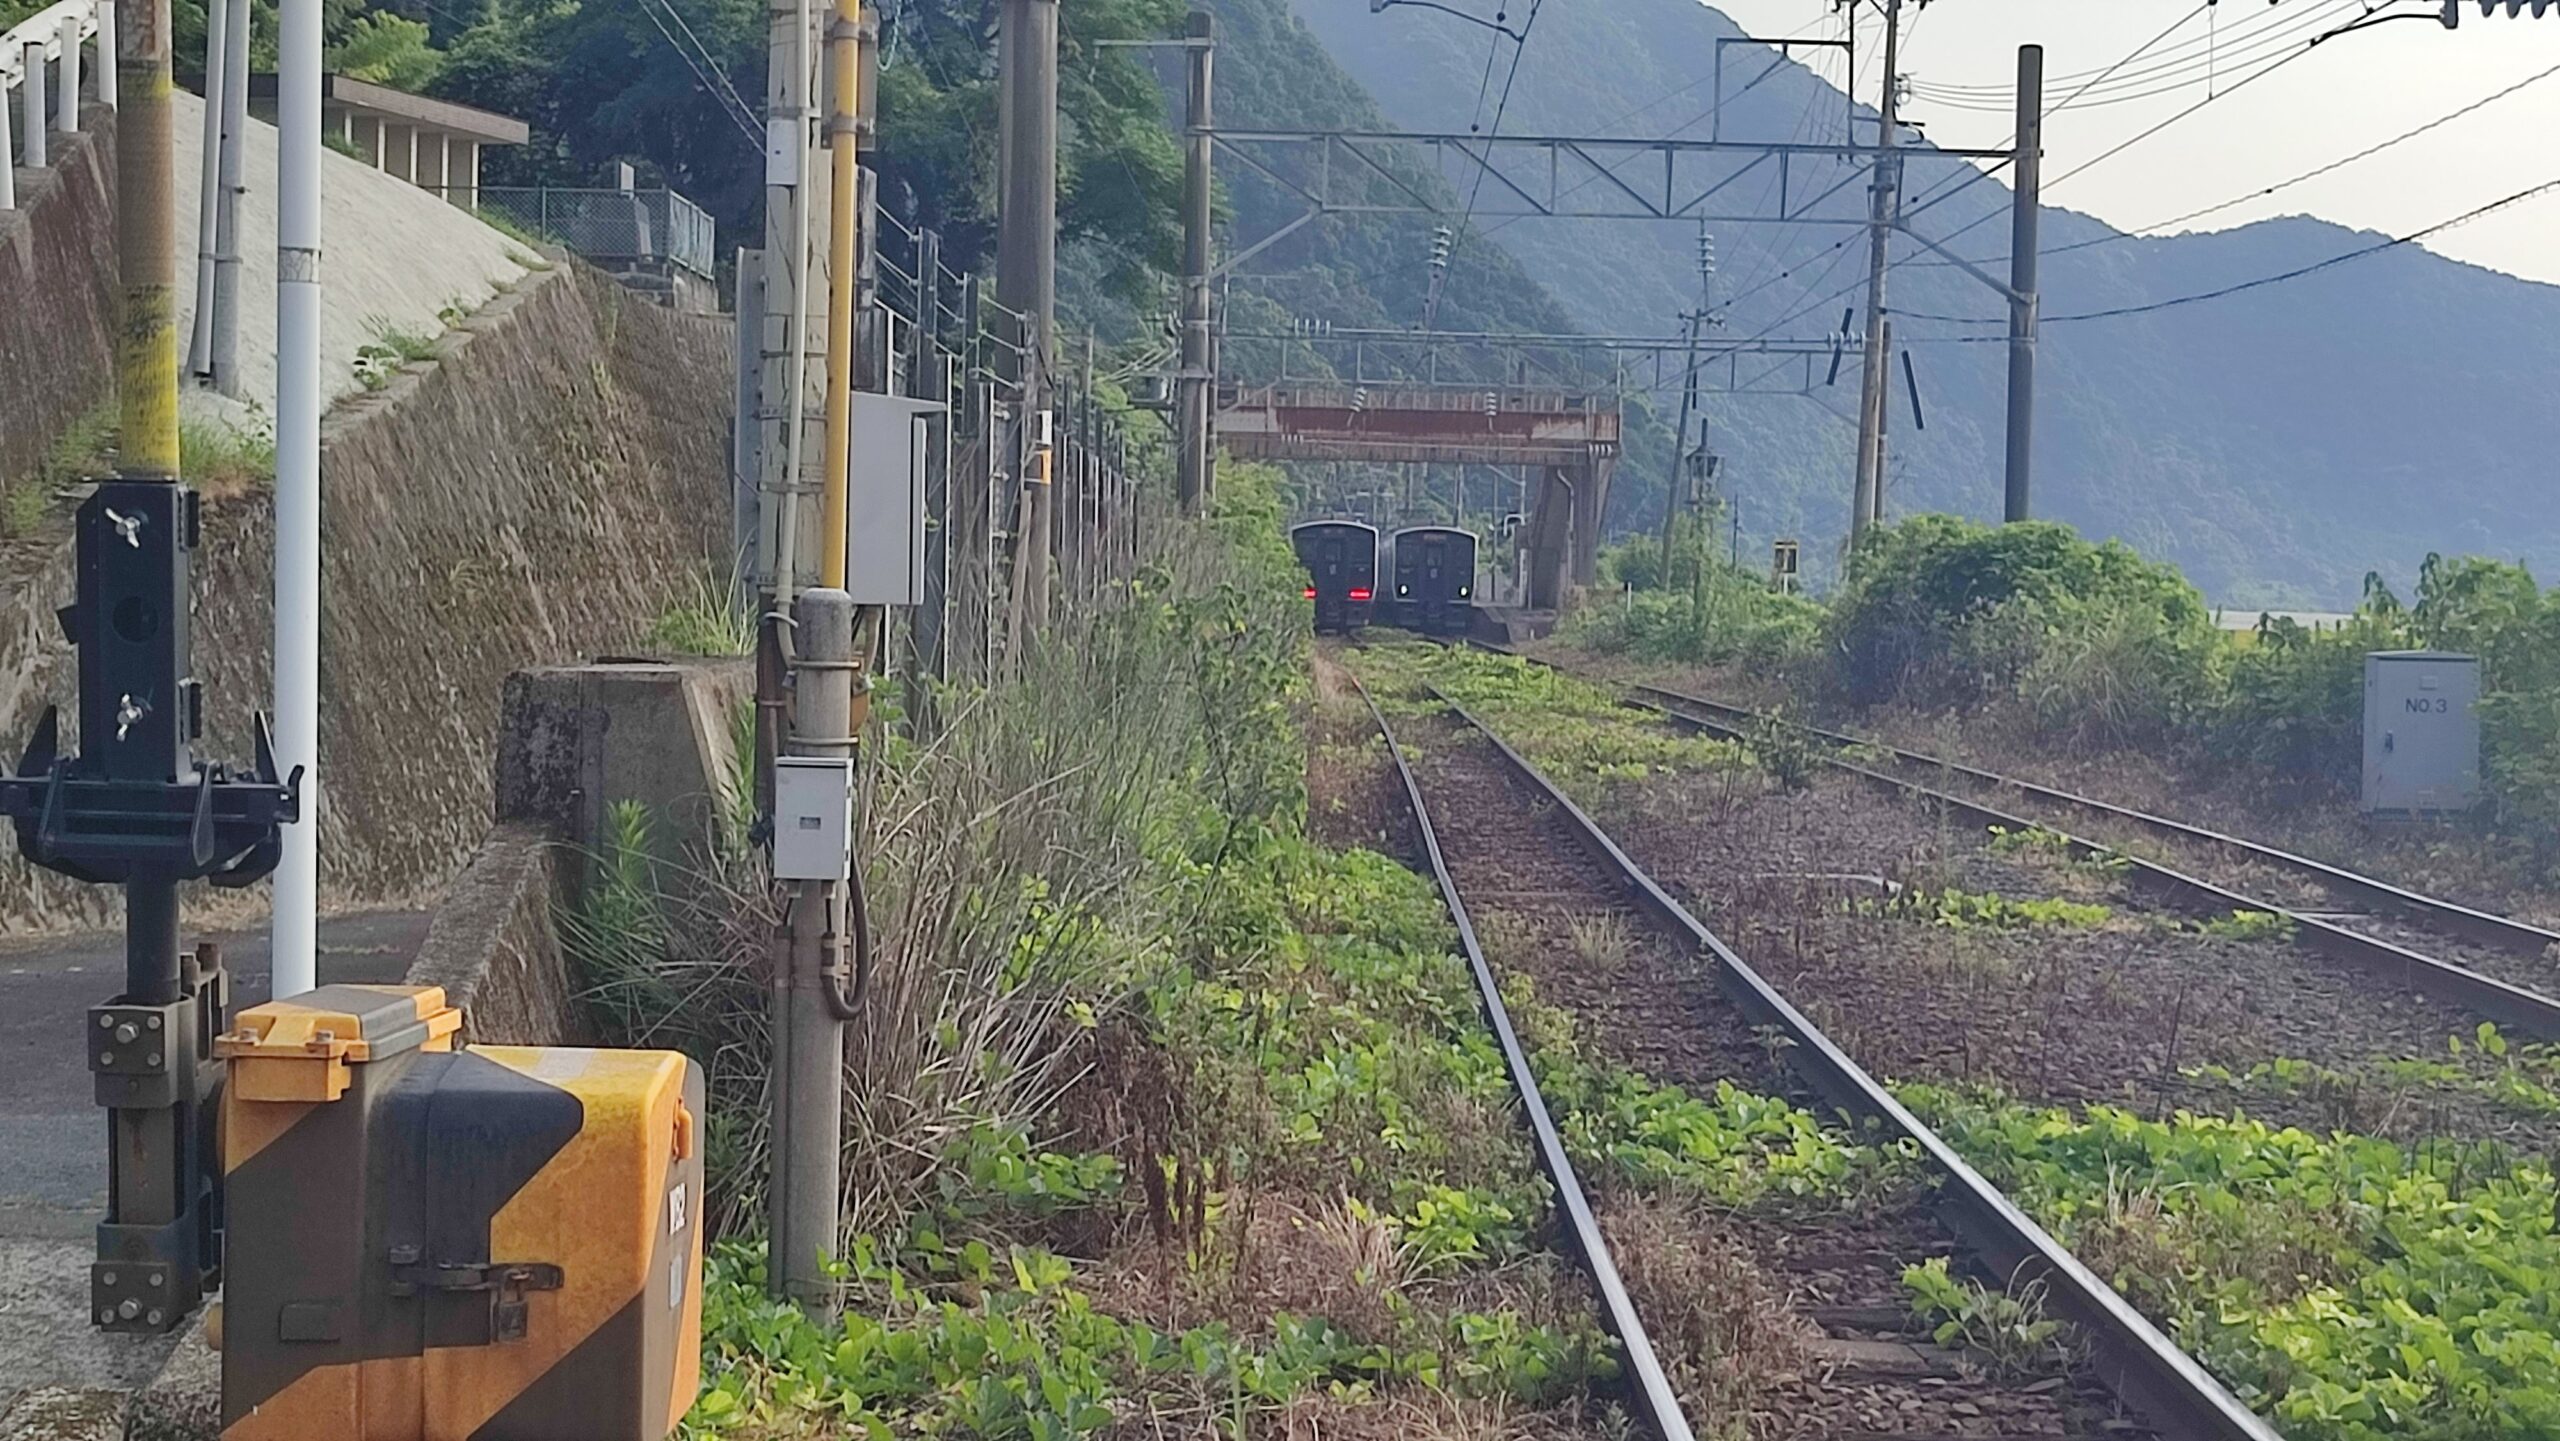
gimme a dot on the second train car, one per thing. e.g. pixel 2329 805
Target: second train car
pixel 1431 578
pixel 1341 557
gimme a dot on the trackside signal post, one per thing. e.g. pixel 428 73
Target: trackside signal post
pixel 136 806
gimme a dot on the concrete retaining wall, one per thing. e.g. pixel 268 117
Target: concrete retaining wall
pixel 58 291
pixel 537 495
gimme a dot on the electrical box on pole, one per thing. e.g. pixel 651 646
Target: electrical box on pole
pixel 812 818
pixel 885 499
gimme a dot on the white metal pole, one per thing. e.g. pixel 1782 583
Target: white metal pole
pixel 8 160
pixel 226 233
pixel 31 90
pixel 107 53
pixel 69 104
pixel 293 935
pixel 8 155
pixel 208 193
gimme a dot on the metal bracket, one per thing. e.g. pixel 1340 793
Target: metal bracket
pixel 504 1282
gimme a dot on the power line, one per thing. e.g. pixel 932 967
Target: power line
pixel 738 116
pixel 2123 146
pixel 2262 282
pixel 2167 59
pixel 2121 61
pixel 2141 232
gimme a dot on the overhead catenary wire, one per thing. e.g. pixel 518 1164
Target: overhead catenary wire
pixel 2144 232
pixel 722 93
pixel 2262 282
pixel 2122 146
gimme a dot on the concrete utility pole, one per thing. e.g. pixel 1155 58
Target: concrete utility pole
pixel 1027 264
pixel 1883 207
pixel 828 666
pixel 1680 449
pixel 146 221
pixel 226 235
pixel 2025 230
pixel 1192 480
pixel 293 935
pixel 33 116
pixel 208 192
pixel 790 213
pixel 1884 426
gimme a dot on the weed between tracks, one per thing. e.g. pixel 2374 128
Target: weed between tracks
pixel 2350 1287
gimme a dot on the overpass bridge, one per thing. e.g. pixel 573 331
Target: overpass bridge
pixel 1567 439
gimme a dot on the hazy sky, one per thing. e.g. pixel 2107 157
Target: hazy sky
pixel 2348 93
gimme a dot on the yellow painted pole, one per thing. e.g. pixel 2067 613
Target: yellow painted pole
pixel 844 197
pixel 146 258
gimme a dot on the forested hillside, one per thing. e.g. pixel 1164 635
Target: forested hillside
pixel 1369 271
pixel 2277 445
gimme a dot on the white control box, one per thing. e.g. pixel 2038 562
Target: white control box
pixel 2421 732
pixel 812 819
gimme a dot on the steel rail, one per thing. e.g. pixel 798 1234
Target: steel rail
pixel 2500 932
pixel 1654 1399
pixel 2507 1004
pixel 2136 1360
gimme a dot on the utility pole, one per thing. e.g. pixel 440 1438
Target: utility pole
pixel 1680 448
pixel 2025 229
pixel 226 254
pixel 790 214
pixel 1884 202
pixel 830 663
pixel 137 806
pixel 1884 426
pixel 1681 473
pixel 1027 268
pixel 1192 480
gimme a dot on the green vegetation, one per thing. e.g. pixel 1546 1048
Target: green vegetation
pixel 2091 647
pixel 1576 731
pixel 2350 1289
pixel 2250 926
pixel 2008 1326
pixel 380 360
pixel 1960 910
pixel 705 618
pixel 1703 612
pixel 218 456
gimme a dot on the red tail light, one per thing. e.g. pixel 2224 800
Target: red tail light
pixel 1311 592
pixel 1359 593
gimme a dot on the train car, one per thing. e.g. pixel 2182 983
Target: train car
pixel 1432 575
pixel 1341 557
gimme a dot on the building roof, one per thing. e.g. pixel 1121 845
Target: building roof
pixel 364 97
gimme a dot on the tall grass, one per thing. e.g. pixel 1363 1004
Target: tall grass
pixel 1016 860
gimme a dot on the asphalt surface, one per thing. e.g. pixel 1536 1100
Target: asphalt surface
pixel 53 1164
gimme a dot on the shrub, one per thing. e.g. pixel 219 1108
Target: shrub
pixel 1943 611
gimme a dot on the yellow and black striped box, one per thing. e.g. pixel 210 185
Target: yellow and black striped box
pixel 428 1243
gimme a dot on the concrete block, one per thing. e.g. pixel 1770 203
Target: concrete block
pixel 576 741
pixel 494 948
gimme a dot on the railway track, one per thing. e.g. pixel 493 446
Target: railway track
pixel 1514 838
pixel 2493 965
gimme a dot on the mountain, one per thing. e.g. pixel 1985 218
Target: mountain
pixel 2278 444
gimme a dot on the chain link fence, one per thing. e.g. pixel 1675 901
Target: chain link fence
pixel 611 226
